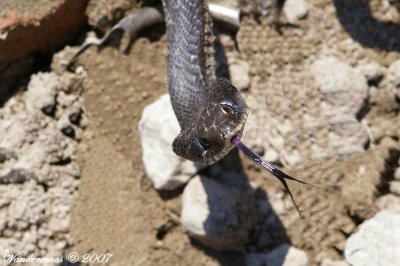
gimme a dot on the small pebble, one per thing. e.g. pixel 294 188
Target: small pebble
pixel 295 10
pixel 394 187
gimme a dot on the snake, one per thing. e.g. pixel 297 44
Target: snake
pixel 210 110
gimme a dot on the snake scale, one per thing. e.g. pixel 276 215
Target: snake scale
pixel 210 110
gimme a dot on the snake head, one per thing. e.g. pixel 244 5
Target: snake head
pixel 222 117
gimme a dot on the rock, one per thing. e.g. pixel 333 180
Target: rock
pixel 287 255
pixel 42 97
pixel 75 116
pixel 376 242
pixel 342 132
pixel 6 155
pixel 38 171
pixel 218 216
pixel 388 201
pixel 295 10
pixel 158 128
pixel 397 174
pixel 394 74
pixel 339 82
pixel 373 72
pixel 16 176
pixel 239 74
pixel 394 187
pixel 284 255
pixel 393 79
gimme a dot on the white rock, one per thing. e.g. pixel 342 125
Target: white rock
pixel 239 74
pixel 284 255
pixel 376 241
pixel 339 82
pixel 397 174
pixel 392 81
pixel 394 187
pixel 295 10
pixel 394 74
pixel 218 216
pixel 158 128
pixel 40 96
pixel 373 72
pixel 388 201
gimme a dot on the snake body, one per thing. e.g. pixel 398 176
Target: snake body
pixel 210 110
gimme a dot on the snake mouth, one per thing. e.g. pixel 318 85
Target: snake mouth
pixel 234 138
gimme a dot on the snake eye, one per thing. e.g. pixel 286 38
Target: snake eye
pixel 226 109
pixel 205 143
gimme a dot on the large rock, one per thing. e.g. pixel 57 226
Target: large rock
pixel 157 128
pixel 338 83
pixel 218 216
pixel 376 242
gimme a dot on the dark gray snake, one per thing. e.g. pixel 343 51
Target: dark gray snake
pixel 210 111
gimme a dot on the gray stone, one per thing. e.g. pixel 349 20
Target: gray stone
pixel 295 10
pixel 16 176
pixel 6 155
pixel 284 255
pixel 394 74
pixel 158 128
pixel 388 201
pixel 339 82
pixel 392 81
pixel 376 241
pixel 239 74
pixel 218 216
pixel 373 72
pixel 397 174
pixel 40 96
pixel 394 187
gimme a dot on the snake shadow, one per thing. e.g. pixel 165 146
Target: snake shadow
pixel 267 231
pixel 357 19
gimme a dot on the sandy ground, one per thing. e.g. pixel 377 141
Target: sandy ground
pixel 117 211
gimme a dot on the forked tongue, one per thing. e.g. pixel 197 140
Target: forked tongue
pixel 273 170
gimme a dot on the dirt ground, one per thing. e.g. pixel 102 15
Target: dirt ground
pixel 117 210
